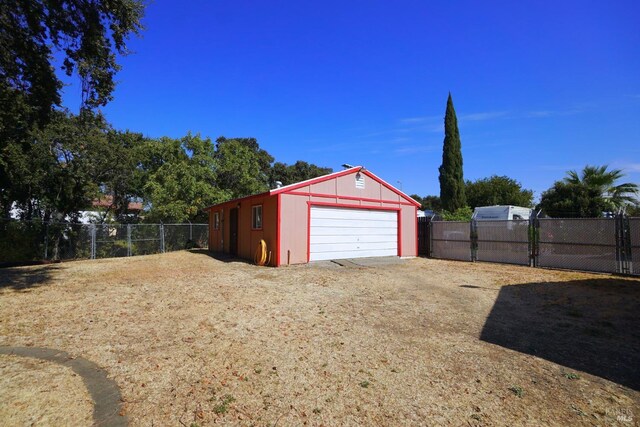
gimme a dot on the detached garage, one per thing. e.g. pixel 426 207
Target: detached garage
pixel 346 214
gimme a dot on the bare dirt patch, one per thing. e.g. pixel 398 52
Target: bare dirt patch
pixel 190 339
pixel 37 392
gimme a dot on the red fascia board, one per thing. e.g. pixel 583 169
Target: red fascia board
pixel 291 187
pixel 358 199
pixel 355 169
pixel 390 187
pixel 323 178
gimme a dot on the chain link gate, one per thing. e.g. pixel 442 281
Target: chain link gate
pixel 423 236
pixel 578 244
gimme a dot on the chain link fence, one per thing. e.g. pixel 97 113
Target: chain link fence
pixel 502 241
pixel 608 245
pixel 634 233
pixel 578 244
pixel 24 241
pixel 451 240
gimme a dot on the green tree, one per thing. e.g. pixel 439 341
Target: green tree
pixel 297 172
pixel 634 210
pixel 85 35
pixel 180 179
pixel 78 36
pixel 604 181
pixel 497 190
pixel 122 177
pixel 462 214
pixel 432 203
pixel 262 157
pixel 572 200
pixel 241 168
pixel 451 179
pixel 56 174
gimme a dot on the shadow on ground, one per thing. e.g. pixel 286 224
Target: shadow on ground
pixel 219 256
pixel 23 278
pixel 587 325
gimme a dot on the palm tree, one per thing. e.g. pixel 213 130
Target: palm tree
pixel 598 177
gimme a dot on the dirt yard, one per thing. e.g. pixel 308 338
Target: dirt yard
pixel 194 341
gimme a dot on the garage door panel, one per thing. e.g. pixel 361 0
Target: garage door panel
pixel 361 231
pixel 352 233
pixel 323 256
pixel 342 214
pixel 345 238
pixel 357 223
pixel 345 246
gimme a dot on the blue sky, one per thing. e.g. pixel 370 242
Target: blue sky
pixel 539 87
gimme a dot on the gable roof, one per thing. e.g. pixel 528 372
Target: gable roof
pixel 295 186
pixel 338 174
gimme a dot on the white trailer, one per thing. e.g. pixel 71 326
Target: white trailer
pixel 500 212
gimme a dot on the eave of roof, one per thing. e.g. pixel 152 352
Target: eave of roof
pixel 316 180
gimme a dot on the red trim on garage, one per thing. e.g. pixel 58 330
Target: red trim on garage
pixel 417 225
pixel 356 169
pixel 344 205
pixel 297 185
pixel 308 231
pixel 390 187
pixel 278 228
pixel 400 233
pixel 357 199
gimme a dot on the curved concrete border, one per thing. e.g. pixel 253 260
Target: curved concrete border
pixel 104 391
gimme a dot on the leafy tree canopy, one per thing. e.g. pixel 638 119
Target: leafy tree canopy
pixel 432 203
pixel 497 190
pixel 572 200
pixel 605 182
pixel 59 171
pixel 87 35
pixel 181 179
pixel 299 171
pixel 462 214
pixel 242 167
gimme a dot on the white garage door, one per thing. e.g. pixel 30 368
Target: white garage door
pixel 338 233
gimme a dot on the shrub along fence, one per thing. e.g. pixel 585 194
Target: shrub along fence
pixel 610 245
pixel 24 241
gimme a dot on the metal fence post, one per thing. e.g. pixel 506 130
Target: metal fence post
pixel 46 240
pixel 430 239
pixel 161 237
pixel 533 234
pixel 190 231
pixel 128 239
pixel 623 244
pixel 473 239
pixel 93 241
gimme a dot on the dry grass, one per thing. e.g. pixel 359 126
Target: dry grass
pixel 36 392
pixel 190 339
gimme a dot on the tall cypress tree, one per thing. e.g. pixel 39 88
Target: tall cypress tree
pixel 451 180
